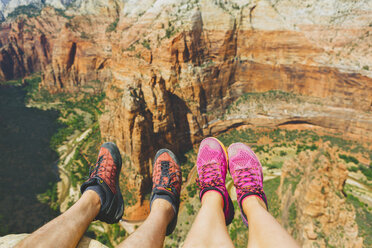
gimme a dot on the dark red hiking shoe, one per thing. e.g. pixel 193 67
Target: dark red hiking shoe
pixel 104 180
pixel 167 180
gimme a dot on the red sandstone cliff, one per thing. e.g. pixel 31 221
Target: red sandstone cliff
pixel 170 70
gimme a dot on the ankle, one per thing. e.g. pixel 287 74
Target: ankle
pixel 212 197
pixel 93 197
pixel 252 203
pixel 163 207
pixel 90 203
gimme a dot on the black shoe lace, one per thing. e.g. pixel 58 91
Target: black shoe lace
pixel 97 169
pixel 164 166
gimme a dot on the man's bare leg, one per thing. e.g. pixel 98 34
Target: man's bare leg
pixel 67 229
pixel 264 230
pixel 209 228
pixel 152 232
pixel 164 202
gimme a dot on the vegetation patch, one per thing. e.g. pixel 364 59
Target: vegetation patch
pixel 146 44
pixel 270 188
pixel 61 12
pixel 170 31
pixel 348 159
pixel 367 171
pixel 112 26
pixel 363 219
pixel 30 10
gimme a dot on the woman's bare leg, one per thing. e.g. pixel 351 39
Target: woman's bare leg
pixel 209 228
pixel 67 229
pixel 152 232
pixel 264 230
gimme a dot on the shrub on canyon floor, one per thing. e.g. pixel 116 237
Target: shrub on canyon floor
pixel 348 159
pixel 366 170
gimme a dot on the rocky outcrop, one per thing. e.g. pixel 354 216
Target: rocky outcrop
pixel 313 204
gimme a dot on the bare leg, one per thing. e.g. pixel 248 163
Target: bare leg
pixel 209 228
pixel 264 230
pixel 152 232
pixel 67 229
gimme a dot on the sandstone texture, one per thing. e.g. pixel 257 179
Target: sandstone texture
pixel 171 69
pixel 313 204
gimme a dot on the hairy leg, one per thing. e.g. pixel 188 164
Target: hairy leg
pixel 152 232
pixel 209 228
pixel 264 230
pixel 67 229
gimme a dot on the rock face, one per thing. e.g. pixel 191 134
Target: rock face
pixel 313 204
pixel 23 51
pixel 170 69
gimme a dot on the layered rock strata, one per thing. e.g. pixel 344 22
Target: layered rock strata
pixel 170 69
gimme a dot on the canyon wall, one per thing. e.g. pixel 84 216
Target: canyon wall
pixel 170 69
pixel 314 208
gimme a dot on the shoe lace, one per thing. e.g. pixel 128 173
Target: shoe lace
pixel 164 166
pixel 209 176
pixel 97 169
pixel 245 181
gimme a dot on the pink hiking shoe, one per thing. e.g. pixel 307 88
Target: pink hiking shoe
pixel 246 171
pixel 212 167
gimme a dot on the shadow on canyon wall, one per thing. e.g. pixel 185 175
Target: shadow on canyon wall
pixel 28 164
